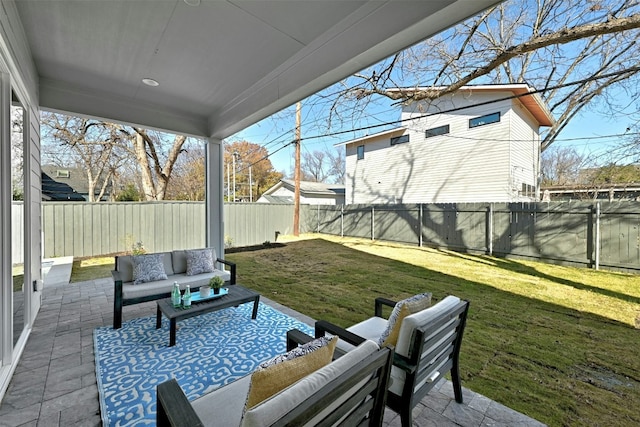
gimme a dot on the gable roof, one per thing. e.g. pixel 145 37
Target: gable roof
pixel 527 95
pixel 73 177
pixel 221 65
pixel 307 189
pixel 53 190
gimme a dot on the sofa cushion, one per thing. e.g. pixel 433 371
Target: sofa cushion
pixel 270 410
pixel 160 287
pixel 280 372
pixel 401 310
pixel 199 261
pixel 148 268
pixel 124 265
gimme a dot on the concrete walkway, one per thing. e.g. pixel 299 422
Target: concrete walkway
pixel 55 383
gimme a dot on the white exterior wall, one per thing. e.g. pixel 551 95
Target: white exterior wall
pixel 525 149
pixel 17 73
pixel 483 164
pixel 376 178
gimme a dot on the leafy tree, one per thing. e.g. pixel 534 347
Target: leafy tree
pixel 129 193
pixel 251 159
pixel 188 177
pixel 614 174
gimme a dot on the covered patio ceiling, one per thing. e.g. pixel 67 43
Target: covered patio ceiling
pixel 221 65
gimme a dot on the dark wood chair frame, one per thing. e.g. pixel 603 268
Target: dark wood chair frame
pixel 416 366
pixel 174 409
pixel 119 300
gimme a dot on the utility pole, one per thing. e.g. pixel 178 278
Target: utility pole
pixel 250 187
pixel 235 153
pixel 296 175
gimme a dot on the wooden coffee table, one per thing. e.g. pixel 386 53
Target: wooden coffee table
pixel 237 295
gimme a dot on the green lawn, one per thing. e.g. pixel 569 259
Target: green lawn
pixel 559 344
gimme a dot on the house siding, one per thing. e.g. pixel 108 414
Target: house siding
pixel 525 151
pixel 487 163
pixel 18 73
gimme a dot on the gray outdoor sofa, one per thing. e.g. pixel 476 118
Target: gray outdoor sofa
pixel 175 265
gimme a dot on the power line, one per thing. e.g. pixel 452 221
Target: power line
pixel 456 109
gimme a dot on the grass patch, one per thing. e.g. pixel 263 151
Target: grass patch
pixel 84 269
pixel 556 343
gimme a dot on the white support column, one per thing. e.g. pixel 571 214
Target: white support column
pixel 214 204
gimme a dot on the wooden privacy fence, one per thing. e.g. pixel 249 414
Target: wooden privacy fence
pixel 584 233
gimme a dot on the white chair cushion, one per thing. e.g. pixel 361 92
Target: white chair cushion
pixel 269 411
pixel 224 405
pixel 409 324
pixel 369 329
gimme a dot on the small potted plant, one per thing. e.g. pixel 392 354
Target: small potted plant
pixel 216 283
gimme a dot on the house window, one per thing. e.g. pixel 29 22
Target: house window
pixel 484 120
pixel 440 130
pixel 360 152
pixel 60 173
pixel 400 139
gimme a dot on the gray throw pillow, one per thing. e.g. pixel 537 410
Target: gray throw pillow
pixel 148 268
pixel 199 261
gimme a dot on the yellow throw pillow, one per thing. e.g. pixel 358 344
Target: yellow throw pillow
pixel 279 373
pixel 401 310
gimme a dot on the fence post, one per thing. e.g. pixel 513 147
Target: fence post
pixel 490 230
pixel 597 242
pixel 373 225
pixel 341 220
pixel 318 219
pixel 420 225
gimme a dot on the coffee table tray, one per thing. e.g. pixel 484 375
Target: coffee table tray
pixel 195 297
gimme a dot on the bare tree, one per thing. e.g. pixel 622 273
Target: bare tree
pixel 155 168
pixel 574 51
pixel 91 145
pixel 561 166
pixel 323 166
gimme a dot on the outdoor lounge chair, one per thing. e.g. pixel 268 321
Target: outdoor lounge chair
pixel 428 346
pixel 349 391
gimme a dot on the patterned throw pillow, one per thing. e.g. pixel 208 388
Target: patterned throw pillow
pixel 278 373
pixel 148 268
pixel 402 309
pixel 199 261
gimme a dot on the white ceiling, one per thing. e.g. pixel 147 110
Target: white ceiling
pixel 222 65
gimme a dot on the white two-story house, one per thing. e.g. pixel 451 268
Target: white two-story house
pixel 480 144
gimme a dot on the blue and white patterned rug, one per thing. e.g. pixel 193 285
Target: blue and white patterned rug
pixel 211 350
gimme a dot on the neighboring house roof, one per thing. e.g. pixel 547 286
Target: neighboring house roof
pixel 310 188
pixel 307 189
pixel 74 177
pixel 277 199
pixel 53 190
pixel 532 102
pixel 390 133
